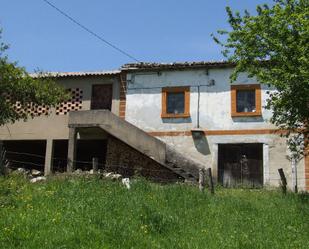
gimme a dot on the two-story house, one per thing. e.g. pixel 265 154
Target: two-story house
pixel 163 121
pixel 194 108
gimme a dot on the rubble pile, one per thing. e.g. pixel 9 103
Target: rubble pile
pixel 38 176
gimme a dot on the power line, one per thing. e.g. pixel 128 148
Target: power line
pixel 90 31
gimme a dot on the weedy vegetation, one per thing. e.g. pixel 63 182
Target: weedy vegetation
pixel 94 213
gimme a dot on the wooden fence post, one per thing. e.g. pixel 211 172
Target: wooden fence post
pixel 2 159
pixel 211 183
pixel 95 164
pixel 283 180
pixel 201 180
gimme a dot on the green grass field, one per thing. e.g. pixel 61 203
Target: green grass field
pixel 94 213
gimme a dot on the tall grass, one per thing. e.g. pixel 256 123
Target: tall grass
pixel 96 213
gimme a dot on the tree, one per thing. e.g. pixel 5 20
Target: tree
pixel 273 47
pixel 17 86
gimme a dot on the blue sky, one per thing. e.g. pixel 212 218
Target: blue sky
pixel 150 30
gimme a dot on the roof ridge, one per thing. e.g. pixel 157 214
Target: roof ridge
pixel 147 65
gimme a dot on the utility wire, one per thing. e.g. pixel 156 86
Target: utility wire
pixel 90 31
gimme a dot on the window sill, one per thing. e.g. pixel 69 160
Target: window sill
pixel 246 114
pixel 166 115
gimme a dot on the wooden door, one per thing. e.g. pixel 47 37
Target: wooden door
pixel 240 164
pixel 102 96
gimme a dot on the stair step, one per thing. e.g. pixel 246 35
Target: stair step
pixel 190 176
pixel 183 172
pixel 180 171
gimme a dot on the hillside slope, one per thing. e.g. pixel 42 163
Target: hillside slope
pixel 96 213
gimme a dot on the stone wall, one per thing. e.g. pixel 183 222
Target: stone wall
pixel 125 160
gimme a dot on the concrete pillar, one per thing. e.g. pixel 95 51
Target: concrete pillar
pixel 266 164
pixel 72 149
pixel 48 157
pixel 294 176
pixel 214 161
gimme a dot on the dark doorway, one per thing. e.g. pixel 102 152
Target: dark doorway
pixel 28 154
pixel 88 149
pixel 60 154
pixel 101 97
pixel 240 165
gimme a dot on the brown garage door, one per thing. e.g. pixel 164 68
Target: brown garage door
pixel 240 165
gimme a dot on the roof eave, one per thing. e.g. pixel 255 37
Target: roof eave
pixel 74 74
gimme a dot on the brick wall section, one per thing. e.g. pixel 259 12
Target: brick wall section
pixel 122 95
pixel 127 161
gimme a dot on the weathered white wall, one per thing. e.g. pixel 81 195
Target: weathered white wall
pixel 274 154
pixel 143 106
pixel 143 109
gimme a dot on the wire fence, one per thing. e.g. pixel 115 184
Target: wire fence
pixel 14 162
pixel 226 177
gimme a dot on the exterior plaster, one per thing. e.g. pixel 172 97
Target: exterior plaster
pixel 56 126
pixel 143 109
pixel 274 151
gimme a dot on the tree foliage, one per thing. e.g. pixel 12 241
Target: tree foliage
pixel 273 46
pixel 17 86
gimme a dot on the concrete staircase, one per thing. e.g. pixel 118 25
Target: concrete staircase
pixel 137 139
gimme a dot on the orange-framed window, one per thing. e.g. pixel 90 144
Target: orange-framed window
pixel 175 102
pixel 246 100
